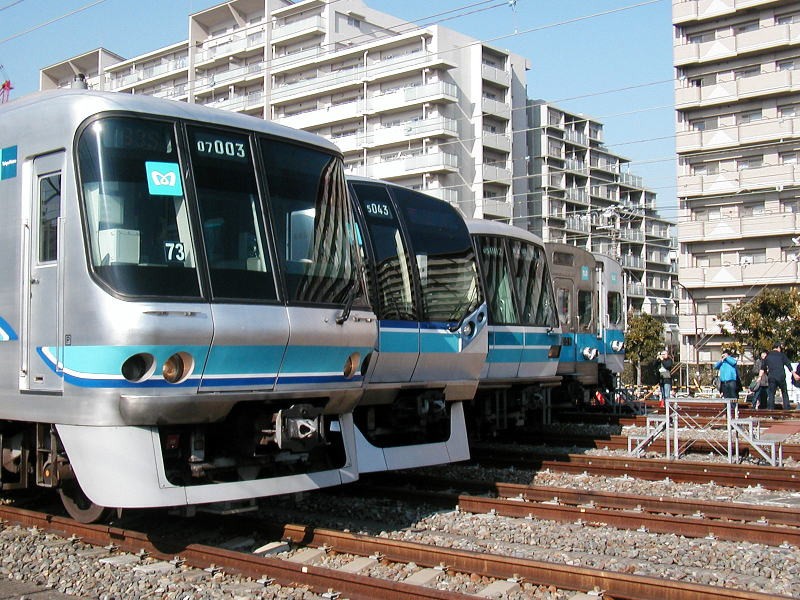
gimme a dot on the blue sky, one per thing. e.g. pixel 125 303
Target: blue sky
pixel 608 59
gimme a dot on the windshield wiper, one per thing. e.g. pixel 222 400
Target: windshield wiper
pixel 352 294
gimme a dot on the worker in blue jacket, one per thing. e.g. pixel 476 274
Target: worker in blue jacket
pixel 727 375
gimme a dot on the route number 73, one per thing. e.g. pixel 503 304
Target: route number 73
pixel 175 251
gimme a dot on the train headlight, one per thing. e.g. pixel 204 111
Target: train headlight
pixel 589 353
pixel 467 329
pixel 138 367
pixel 617 345
pixel 178 367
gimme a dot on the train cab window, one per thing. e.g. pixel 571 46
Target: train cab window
pixel 614 308
pixel 502 308
pixel 534 288
pixel 49 212
pixel 445 258
pixel 313 223
pixel 135 210
pixel 391 276
pixel 584 308
pixel 230 213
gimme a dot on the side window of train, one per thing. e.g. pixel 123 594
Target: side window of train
pixel 564 301
pixel 614 308
pixel 534 288
pixel 49 212
pixel 312 221
pixel 584 308
pixel 394 282
pixel 230 212
pixel 137 216
pixel 497 273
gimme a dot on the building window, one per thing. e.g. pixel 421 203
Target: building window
pixel 704 124
pixel 789 158
pixel 353 22
pixel 745 27
pixel 747 72
pixel 703 36
pixel 752 209
pixel 791 64
pixel 749 116
pixel 709 168
pixel 749 162
pixel 753 257
pixel 787 19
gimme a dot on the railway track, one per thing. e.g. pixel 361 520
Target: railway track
pixel 734 522
pixel 683 471
pixel 311 544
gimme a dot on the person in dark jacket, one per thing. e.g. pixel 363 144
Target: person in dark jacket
pixel 759 385
pixel 727 375
pixel 775 366
pixel 664 365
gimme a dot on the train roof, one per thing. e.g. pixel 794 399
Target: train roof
pixel 83 103
pixel 499 228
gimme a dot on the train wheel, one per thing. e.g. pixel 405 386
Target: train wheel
pixel 79 507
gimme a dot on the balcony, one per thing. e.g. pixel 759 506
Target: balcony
pixel 604 165
pixel 631 235
pixel 403 166
pixel 318 85
pixel 576 166
pixel 764 130
pixel 577 195
pixel 220 49
pixel 743 43
pixel 576 137
pixel 497 141
pixel 496 208
pixel 493 107
pixel 496 75
pixel 303 28
pixel 148 75
pixel 398 65
pixel 629 180
pixel 323 116
pixel 684 11
pixel 635 289
pixel 431 92
pixel 774 273
pixel 632 262
pixel 769 177
pixel 233 76
pixel 239 103
pixel 765 225
pixel 438 126
pixel 605 192
pixel 348 143
pixel 445 194
pixel 496 173
pixel 766 84
pixel 295 60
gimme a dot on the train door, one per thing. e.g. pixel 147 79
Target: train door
pixel 44 282
pixel 391 284
pixel 565 299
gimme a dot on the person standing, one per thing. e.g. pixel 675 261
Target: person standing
pixel 727 375
pixel 775 366
pixel 759 386
pixel 664 365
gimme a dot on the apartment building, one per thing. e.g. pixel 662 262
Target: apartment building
pixel 585 195
pixel 737 95
pixel 425 107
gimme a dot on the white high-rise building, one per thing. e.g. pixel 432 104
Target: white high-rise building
pixel 425 107
pixel 738 140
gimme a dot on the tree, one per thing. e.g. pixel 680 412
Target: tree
pixel 644 339
pixel 773 315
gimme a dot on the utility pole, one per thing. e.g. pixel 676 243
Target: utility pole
pixel 696 339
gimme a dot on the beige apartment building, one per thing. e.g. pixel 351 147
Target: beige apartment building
pixel 425 107
pixel 737 97
pixel 585 195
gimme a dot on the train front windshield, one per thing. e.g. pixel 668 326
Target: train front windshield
pixel 141 233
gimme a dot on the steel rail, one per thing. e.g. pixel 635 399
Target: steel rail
pixel 649 469
pixel 614 584
pixel 628 519
pixel 658 504
pixel 201 556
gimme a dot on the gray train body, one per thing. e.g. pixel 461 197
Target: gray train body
pixel 432 334
pixel 182 318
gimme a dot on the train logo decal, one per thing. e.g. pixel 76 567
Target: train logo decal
pixel 584 273
pixel 163 179
pixel 7 333
pixel 8 164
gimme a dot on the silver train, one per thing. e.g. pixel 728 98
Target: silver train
pixel 203 310
pixel 183 319
pixel 590 302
